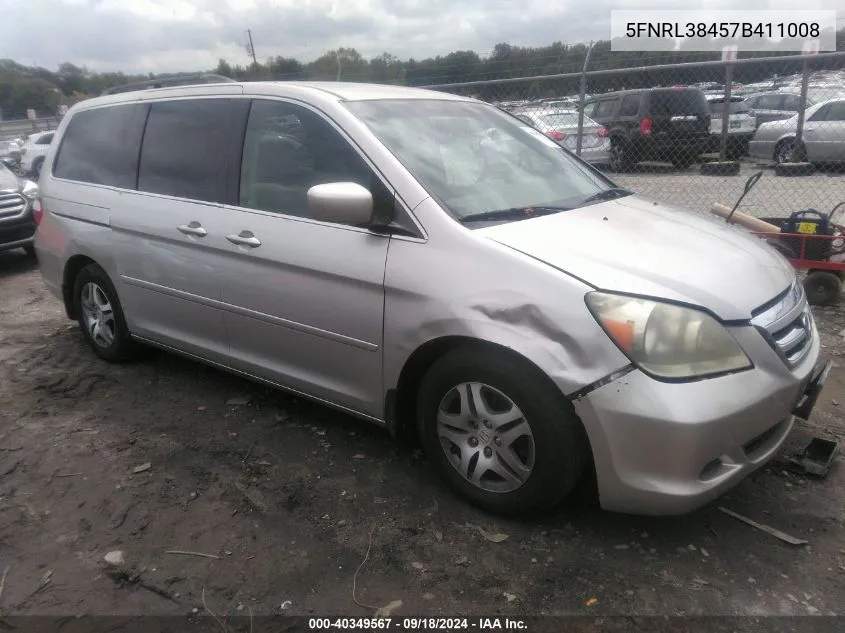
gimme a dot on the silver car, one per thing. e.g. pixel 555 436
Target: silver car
pixel 562 127
pixel 534 325
pixel 823 139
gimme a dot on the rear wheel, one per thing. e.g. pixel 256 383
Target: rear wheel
pixel 36 168
pixel 500 435
pixel 621 155
pixel 101 315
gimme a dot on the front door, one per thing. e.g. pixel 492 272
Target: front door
pixel 304 299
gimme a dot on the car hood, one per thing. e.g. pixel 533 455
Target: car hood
pixel 638 246
pixel 8 181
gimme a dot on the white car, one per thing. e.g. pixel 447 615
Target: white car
pixel 33 152
pixel 741 125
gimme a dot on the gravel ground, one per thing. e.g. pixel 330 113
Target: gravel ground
pixel 289 498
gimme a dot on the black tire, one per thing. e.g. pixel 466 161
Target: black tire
pixel 822 287
pixel 720 169
pixel 789 170
pixel 29 249
pixel 788 151
pixel 561 450
pixel 683 162
pixel 121 347
pixel 621 155
pixel 36 168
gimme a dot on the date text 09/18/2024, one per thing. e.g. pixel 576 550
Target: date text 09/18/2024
pixel 418 624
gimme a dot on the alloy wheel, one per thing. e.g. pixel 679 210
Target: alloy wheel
pixel 98 313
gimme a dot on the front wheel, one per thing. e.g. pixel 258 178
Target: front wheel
pixel 788 151
pixel 501 436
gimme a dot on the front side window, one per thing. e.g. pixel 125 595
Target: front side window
pixel 287 150
pixel 45 140
pixel 474 159
pixel 101 146
pixel 191 147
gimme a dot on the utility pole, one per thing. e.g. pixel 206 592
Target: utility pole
pixel 250 47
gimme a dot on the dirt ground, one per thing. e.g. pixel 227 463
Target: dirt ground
pixel 285 498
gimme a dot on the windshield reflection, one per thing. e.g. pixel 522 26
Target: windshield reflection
pixel 474 158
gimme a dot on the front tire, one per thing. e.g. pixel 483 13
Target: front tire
pixel 499 433
pixel 100 315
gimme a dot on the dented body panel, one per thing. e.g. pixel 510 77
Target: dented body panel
pixel 499 296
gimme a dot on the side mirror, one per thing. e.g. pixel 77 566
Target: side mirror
pixel 341 202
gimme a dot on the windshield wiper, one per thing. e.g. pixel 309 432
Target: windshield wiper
pixel 513 213
pixel 607 194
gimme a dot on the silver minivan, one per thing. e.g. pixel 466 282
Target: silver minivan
pixel 434 265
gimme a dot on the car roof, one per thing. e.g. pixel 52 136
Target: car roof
pixel 315 91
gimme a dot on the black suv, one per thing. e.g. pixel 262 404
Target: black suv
pixel 658 124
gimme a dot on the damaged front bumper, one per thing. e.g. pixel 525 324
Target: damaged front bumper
pixel 669 448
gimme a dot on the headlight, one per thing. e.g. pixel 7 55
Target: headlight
pixel 665 340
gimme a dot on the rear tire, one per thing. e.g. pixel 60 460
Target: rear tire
pixel 500 435
pixel 822 288
pixel 621 158
pixel 36 168
pixel 101 315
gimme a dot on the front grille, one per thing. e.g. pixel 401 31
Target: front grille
pixel 787 324
pixel 12 205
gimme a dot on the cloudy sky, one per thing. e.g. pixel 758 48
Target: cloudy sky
pixel 173 35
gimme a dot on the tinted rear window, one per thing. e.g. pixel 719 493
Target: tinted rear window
pixel 101 146
pixel 678 102
pixel 737 107
pixel 192 149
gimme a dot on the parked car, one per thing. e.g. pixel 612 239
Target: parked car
pixel 532 322
pixel 741 126
pixel 823 137
pixel 9 148
pixel 774 106
pixel 17 226
pixel 656 124
pixel 33 152
pixel 562 127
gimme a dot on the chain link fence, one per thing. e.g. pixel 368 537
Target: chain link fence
pixel 692 133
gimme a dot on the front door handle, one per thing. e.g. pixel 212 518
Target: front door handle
pixel 194 228
pixel 244 238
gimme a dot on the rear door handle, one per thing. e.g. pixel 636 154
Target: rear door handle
pixel 244 238
pixel 194 228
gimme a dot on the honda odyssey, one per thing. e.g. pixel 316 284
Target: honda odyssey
pixel 435 265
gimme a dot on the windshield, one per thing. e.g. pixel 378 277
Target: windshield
pixel 473 158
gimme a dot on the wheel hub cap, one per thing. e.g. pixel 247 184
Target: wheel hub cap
pixel 485 437
pixel 98 314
